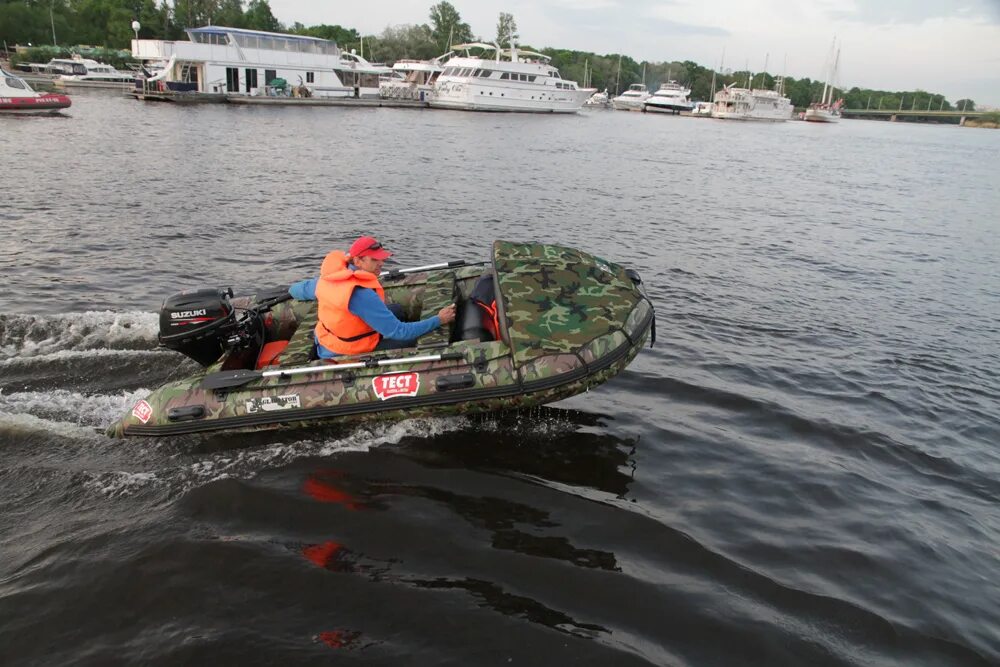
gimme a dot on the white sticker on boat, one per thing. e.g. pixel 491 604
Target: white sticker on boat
pixel 396 384
pixel 271 403
pixel 142 411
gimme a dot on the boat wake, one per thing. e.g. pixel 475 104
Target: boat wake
pixel 62 411
pixel 34 335
pixel 183 472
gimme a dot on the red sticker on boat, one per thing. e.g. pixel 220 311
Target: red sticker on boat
pixel 396 384
pixel 142 411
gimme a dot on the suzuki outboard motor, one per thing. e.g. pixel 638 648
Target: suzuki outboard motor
pixel 198 323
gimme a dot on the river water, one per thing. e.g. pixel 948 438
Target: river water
pixel 804 470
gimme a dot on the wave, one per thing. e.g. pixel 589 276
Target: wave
pixel 50 410
pixel 33 335
pixel 247 463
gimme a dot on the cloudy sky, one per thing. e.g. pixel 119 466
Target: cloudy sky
pixel 949 46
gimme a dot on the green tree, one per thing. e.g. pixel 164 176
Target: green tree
pixel 335 33
pixel 447 26
pixel 965 105
pixel 405 41
pixel 229 13
pixel 506 29
pixel 259 17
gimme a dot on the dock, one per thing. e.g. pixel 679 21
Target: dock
pixel 325 102
pixel 150 95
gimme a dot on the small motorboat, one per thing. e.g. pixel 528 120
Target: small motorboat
pixel 17 97
pixel 560 322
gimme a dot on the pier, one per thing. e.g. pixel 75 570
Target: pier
pixel 911 115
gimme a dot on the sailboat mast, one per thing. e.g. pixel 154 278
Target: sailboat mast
pixel 618 76
pixel 833 74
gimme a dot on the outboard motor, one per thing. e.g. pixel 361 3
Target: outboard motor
pixel 198 323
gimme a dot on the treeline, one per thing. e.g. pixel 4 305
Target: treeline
pixel 107 23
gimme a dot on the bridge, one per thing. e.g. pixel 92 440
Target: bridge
pixel 915 115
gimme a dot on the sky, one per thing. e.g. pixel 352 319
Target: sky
pixel 944 46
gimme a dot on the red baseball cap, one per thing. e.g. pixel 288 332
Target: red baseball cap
pixel 367 246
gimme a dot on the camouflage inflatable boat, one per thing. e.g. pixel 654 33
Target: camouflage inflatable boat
pixel 565 321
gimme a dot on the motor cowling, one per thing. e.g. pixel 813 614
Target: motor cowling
pixel 198 323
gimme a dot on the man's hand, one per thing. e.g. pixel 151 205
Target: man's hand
pixel 447 314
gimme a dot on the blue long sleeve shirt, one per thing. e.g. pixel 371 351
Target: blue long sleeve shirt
pixel 365 304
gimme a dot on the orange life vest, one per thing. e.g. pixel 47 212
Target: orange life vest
pixel 339 330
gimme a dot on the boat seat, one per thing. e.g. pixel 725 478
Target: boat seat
pixel 302 345
pixel 439 292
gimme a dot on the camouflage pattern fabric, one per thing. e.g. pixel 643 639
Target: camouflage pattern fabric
pixel 439 292
pixel 557 299
pixel 302 342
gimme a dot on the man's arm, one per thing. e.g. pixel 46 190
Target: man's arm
pixel 304 290
pixel 365 304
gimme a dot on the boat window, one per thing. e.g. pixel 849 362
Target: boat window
pixel 485 73
pixel 477 72
pixel 531 77
pixel 309 77
pixel 505 76
pixel 14 83
pixel 78 69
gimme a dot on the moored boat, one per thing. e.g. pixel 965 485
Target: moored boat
pixel 487 77
pixel 827 110
pixel 732 103
pixel 85 73
pixel 17 97
pixel 410 80
pixel 562 322
pixel 670 98
pixel 222 60
pixel 632 99
pixel 599 100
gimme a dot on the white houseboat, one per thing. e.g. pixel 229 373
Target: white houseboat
pixel 507 80
pixel 233 61
pixel 733 103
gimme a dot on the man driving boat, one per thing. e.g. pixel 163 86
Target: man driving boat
pixel 353 315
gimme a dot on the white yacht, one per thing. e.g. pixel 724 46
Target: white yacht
pixel 411 80
pixel 733 103
pixel 670 98
pixel 632 99
pixel 507 80
pixel 234 61
pixel 83 73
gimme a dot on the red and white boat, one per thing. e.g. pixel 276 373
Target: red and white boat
pixel 17 97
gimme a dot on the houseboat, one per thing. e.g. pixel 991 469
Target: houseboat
pixel 234 61
pixel 733 103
